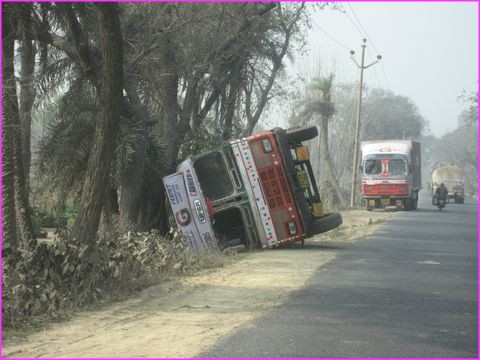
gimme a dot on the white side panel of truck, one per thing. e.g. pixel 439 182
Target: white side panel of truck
pixel 190 212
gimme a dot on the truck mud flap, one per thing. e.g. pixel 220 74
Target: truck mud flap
pixel 327 222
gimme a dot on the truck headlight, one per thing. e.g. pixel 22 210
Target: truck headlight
pixel 302 153
pixel 292 228
pixel 267 145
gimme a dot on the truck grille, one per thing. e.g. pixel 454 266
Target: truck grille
pixel 385 189
pixel 275 187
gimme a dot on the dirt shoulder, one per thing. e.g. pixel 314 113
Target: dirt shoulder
pixel 185 316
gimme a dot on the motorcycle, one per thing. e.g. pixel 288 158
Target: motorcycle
pixel 440 203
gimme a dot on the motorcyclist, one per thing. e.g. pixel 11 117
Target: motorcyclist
pixel 442 192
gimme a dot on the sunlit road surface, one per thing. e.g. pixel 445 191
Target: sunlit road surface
pixel 408 291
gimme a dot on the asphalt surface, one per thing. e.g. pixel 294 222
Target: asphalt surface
pixel 408 291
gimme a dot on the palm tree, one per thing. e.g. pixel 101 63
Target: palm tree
pixel 322 107
pixel 16 220
pixel 92 40
pixel 9 227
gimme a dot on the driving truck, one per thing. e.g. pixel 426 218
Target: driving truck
pixel 453 177
pixel 254 192
pixel 391 174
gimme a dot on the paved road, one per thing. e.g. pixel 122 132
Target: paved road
pixel 408 291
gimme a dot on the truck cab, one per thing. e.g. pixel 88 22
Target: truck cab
pixel 256 192
pixel 391 174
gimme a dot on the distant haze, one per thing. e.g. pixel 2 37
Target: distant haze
pixel 429 50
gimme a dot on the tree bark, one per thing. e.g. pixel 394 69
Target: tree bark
pixel 132 177
pixel 12 118
pixel 27 88
pixel 9 98
pixel 109 100
pixel 232 98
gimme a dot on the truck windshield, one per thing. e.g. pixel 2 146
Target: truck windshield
pixel 373 167
pixel 213 176
pixel 397 167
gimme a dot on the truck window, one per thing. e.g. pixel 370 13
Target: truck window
pixel 397 167
pixel 373 167
pixel 213 176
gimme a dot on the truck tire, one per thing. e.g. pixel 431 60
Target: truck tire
pixel 459 200
pixel 369 207
pixel 327 222
pixel 414 201
pixel 300 134
pixel 407 204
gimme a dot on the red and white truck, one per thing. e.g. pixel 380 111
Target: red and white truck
pixel 258 192
pixel 391 173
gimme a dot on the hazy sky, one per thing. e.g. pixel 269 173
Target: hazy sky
pixel 429 50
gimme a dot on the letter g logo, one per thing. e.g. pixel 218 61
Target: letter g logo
pixel 183 217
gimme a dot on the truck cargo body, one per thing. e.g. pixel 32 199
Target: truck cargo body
pixel 256 192
pixel 453 177
pixel 391 173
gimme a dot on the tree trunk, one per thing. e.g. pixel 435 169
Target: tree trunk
pixel 153 212
pixel 109 100
pixel 132 178
pixel 232 99
pixel 22 207
pixel 27 89
pixel 329 162
pixel 9 98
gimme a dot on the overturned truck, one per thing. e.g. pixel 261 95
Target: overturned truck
pixel 257 192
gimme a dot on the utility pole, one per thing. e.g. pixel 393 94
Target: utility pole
pixel 357 121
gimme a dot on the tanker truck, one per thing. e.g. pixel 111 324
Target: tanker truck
pixel 391 173
pixel 453 177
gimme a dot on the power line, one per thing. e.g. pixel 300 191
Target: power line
pixel 353 22
pixel 366 35
pixel 385 76
pixel 364 31
pixel 331 37
pixel 362 35
pixel 374 68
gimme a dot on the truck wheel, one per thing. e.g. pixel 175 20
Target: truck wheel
pixel 461 200
pixel 369 207
pixel 407 204
pixel 327 222
pixel 304 133
pixel 414 201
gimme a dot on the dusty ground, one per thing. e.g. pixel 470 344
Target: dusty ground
pixel 185 316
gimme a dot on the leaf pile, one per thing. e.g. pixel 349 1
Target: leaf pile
pixel 47 283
